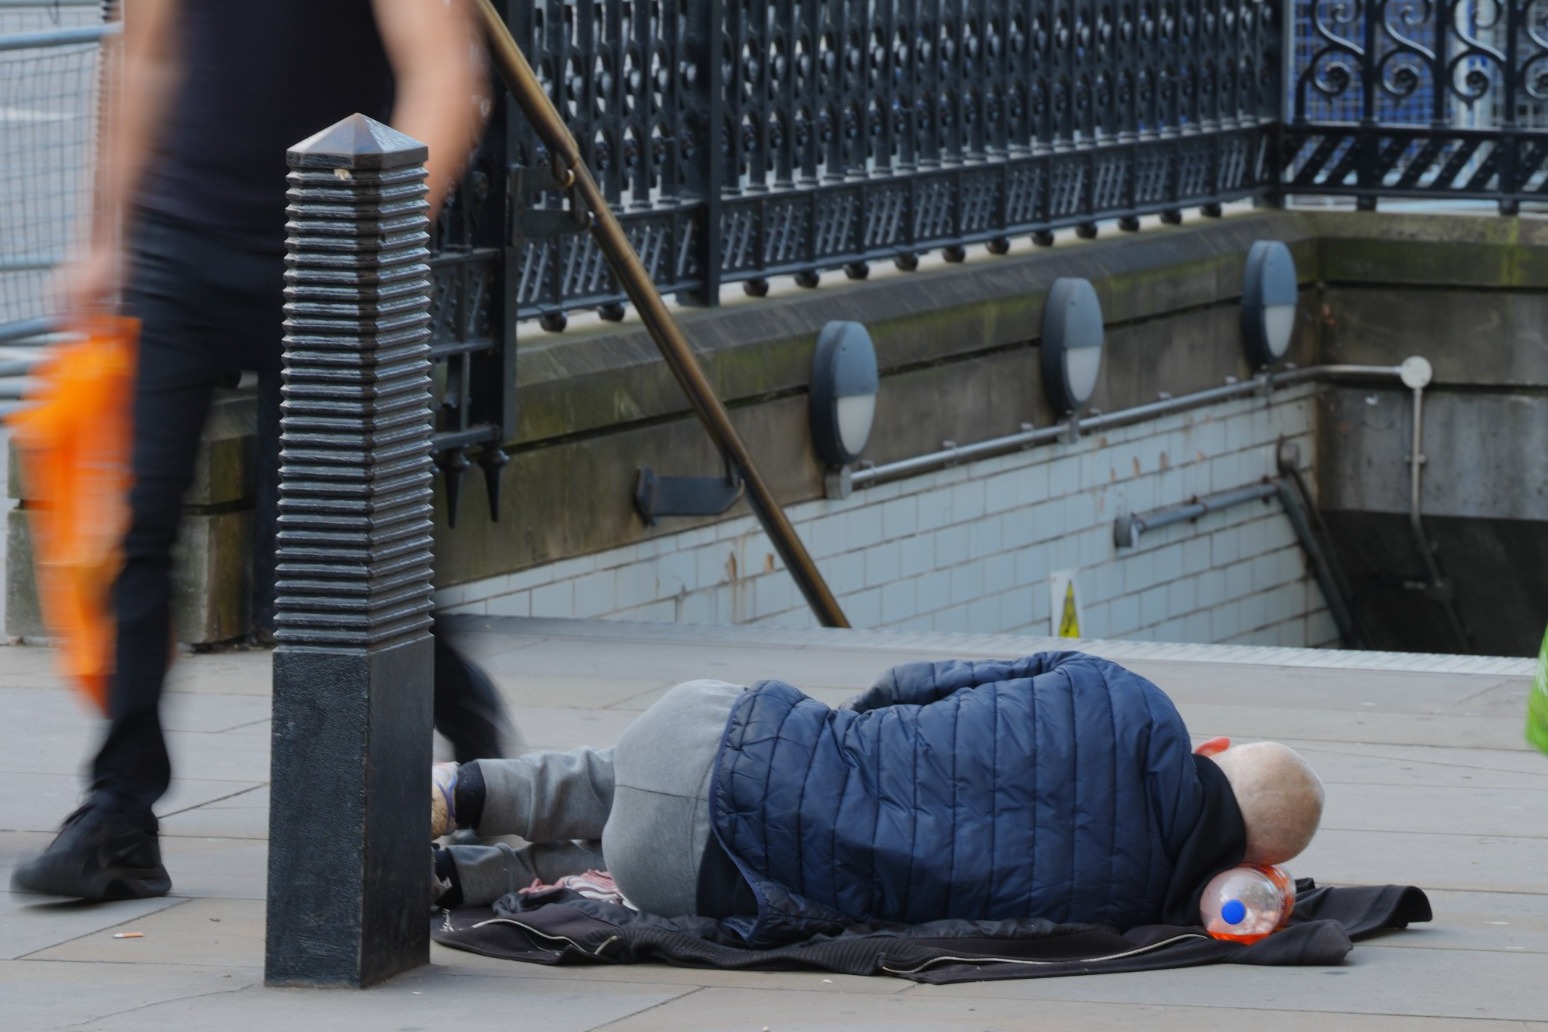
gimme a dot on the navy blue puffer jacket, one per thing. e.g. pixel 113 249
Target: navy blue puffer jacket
pixel 1059 786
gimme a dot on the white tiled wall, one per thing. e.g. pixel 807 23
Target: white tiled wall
pixel 970 548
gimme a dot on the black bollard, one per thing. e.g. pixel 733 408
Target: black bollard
pixel 349 824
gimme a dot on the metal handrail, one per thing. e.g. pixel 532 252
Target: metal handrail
pixel 27 331
pixel 546 121
pixel 1290 491
pixel 1263 383
pixel 60 37
pixel 1128 528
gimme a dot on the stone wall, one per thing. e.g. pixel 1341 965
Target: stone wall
pixel 970 548
pixel 973 547
pixel 1470 294
pixel 957 347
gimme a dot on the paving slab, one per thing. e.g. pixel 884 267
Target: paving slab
pixel 421 1000
pixel 40 801
pixel 1354 856
pixel 196 933
pixel 28 667
pixel 207 866
pixel 1375 980
pixel 930 1009
pixel 203 809
pixel 239 753
pixel 1429 784
pixel 1517 762
pixel 43 702
pixel 560 727
pixel 1513 812
pixel 1505 921
pixel 523 690
pixel 240 671
pixel 30 929
pixel 51 995
pixel 1288 721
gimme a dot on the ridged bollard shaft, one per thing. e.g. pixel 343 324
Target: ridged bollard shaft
pixel 348 825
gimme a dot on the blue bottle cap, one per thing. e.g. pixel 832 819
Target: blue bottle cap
pixel 1233 911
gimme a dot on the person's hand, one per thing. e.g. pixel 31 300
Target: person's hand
pixel 89 284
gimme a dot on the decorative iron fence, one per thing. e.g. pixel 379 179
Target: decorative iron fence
pixel 741 139
pixel 1438 99
pixel 745 139
pixel 473 328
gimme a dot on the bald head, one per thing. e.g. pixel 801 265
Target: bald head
pixel 1279 796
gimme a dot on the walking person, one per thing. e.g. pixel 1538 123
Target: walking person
pixel 193 182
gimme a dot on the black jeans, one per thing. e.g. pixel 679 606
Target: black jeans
pixel 209 312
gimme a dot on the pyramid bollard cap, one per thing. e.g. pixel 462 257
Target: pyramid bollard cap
pixel 357 142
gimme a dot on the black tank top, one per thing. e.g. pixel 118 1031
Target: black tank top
pixel 258 76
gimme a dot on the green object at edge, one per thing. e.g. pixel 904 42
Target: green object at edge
pixel 1537 701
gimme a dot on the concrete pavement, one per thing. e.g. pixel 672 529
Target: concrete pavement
pixel 1429 784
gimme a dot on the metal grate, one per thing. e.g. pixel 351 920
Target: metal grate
pixel 48 127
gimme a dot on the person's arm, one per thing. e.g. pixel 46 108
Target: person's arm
pixel 436 56
pixel 133 116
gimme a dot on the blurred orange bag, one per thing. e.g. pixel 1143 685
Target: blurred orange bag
pixel 73 445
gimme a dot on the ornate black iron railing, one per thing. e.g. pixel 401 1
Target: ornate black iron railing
pixel 744 139
pixel 741 139
pixel 1419 98
pixel 473 333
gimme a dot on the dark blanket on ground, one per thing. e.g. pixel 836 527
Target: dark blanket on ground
pixel 560 927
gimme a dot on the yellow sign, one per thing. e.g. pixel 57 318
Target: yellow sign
pixel 1069 619
pixel 1064 604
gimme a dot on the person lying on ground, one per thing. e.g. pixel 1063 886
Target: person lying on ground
pixel 1060 786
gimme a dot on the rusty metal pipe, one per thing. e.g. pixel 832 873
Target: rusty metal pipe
pixel 547 123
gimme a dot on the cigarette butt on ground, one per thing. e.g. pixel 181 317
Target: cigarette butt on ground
pixel 128 935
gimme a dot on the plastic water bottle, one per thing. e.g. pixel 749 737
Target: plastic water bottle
pixel 1248 902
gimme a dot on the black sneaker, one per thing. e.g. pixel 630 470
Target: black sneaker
pixel 469 711
pixel 99 854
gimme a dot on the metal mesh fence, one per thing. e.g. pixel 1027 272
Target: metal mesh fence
pixel 49 61
pixel 43 15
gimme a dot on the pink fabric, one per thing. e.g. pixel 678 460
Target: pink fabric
pixel 597 885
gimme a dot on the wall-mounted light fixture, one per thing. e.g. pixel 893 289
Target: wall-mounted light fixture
pixel 1269 292
pixel 1071 345
pixel 843 397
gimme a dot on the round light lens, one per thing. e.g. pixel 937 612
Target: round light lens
pixel 842 405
